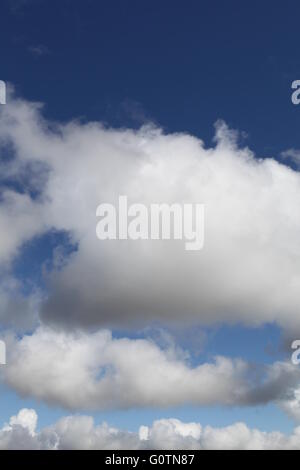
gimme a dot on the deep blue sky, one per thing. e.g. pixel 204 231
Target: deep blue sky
pixel 182 64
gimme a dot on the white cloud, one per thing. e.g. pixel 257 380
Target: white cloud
pixel 291 405
pixel 80 432
pixel 26 419
pixel 248 271
pixel 171 434
pixel 82 371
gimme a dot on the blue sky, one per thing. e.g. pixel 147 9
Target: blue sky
pixel 182 66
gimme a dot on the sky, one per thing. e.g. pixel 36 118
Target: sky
pixel 168 102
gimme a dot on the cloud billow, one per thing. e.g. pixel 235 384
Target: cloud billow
pixel 95 371
pixel 248 271
pixel 53 177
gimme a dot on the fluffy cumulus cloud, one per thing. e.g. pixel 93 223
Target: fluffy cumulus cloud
pixel 53 177
pixel 247 272
pixel 18 310
pixel 96 371
pixel 19 433
pixel 80 432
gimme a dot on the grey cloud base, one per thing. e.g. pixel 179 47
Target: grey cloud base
pixel 81 371
pixel 55 176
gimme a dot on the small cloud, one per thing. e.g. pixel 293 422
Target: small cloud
pixel 292 155
pixel 134 110
pixel 39 50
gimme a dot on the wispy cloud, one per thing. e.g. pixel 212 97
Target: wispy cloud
pixel 291 154
pixel 39 50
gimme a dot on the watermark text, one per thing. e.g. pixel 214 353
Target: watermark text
pixel 2 92
pixel 2 353
pixel 156 222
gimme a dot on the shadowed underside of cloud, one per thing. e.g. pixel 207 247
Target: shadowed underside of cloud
pixel 80 432
pixel 81 371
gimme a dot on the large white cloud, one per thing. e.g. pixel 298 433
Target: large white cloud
pixel 80 432
pixel 82 371
pixel 248 271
